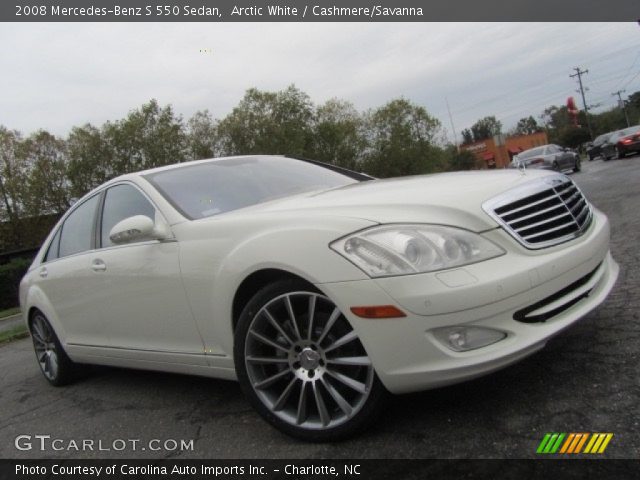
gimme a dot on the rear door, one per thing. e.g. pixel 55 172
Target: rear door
pixel 65 276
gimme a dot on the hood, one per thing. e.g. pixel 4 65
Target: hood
pixel 444 198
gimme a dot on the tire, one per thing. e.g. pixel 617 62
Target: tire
pixel 54 362
pixel 576 166
pixel 555 166
pixel 301 365
pixel 621 153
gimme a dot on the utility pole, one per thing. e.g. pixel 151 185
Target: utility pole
pixel 622 105
pixel 579 74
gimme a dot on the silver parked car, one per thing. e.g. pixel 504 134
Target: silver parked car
pixel 549 157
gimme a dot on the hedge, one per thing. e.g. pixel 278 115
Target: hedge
pixel 10 275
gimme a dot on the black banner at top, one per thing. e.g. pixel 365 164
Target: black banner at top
pixel 316 10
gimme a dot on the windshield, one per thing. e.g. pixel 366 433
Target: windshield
pixel 630 130
pixel 210 188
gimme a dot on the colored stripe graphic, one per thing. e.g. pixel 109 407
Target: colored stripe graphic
pixel 573 443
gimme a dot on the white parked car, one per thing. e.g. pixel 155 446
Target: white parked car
pixel 317 288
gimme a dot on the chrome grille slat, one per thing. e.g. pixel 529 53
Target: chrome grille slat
pixel 542 213
pixel 546 220
pixel 545 232
pixel 535 214
pixel 516 210
pixel 585 211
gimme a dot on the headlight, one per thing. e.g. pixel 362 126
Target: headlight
pixel 404 249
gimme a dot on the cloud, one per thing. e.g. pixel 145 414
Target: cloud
pixel 59 75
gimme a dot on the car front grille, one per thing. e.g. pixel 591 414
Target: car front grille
pixel 542 213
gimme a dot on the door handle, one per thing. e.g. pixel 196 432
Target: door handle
pixel 44 272
pixel 98 265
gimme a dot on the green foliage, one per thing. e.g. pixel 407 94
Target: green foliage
pixel 10 275
pixel 268 123
pixel 460 160
pixel 401 140
pixel 573 137
pixel 337 135
pixel 487 127
pixel 9 312
pixel 90 157
pixel 146 138
pixel 202 136
pixel 467 136
pixel 527 126
pixel 15 333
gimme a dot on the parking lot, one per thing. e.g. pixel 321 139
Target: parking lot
pixel 586 380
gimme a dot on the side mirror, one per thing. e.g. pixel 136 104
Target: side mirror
pixel 135 229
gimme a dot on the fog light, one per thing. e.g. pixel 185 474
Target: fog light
pixel 462 339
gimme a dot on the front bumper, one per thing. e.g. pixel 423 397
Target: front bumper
pixel 407 356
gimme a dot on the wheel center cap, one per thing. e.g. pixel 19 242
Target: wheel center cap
pixel 309 359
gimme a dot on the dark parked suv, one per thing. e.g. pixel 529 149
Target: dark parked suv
pixel 594 149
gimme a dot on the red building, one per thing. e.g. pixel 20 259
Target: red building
pixel 497 152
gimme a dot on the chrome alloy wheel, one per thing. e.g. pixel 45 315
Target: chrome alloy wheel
pixel 305 363
pixel 45 346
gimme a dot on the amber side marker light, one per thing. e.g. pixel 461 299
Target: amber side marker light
pixel 378 311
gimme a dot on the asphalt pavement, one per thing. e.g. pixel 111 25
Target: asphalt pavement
pixel 587 379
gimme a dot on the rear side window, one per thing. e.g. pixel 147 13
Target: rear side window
pixel 120 202
pixel 52 252
pixel 77 230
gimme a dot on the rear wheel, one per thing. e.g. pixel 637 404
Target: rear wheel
pixel 54 363
pixel 621 153
pixel 302 366
pixel 555 166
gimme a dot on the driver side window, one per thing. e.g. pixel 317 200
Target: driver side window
pixel 120 202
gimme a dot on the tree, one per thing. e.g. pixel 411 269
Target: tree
pixel 268 123
pixel 47 184
pixel 460 160
pixel 401 140
pixel 146 138
pixel 337 134
pixel 90 159
pixel 573 137
pixel 467 136
pixel 13 180
pixel 485 128
pixel 202 136
pixel 527 126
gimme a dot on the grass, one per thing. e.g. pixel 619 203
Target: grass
pixel 9 311
pixel 14 333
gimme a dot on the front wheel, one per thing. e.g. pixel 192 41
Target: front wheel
pixel 302 366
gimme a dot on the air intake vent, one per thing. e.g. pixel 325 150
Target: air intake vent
pixel 542 213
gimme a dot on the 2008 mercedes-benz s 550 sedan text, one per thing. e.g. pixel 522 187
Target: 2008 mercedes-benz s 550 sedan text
pixel 319 289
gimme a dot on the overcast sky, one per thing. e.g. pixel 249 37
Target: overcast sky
pixel 55 76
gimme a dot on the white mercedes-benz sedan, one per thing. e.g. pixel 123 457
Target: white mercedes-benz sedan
pixel 317 288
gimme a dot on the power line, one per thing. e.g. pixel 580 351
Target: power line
pixel 539 83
